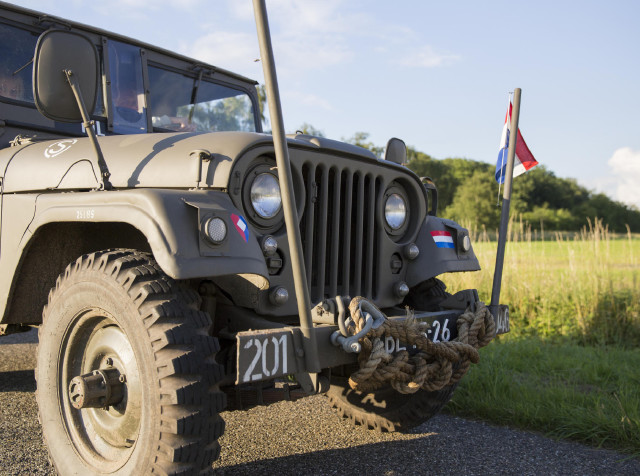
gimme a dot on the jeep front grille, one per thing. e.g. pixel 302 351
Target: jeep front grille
pixel 338 229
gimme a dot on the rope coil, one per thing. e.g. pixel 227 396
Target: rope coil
pixel 434 366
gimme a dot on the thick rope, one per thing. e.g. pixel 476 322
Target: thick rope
pixel 434 366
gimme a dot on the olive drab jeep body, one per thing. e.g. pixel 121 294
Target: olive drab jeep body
pixel 155 259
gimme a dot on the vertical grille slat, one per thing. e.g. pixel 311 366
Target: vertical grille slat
pixel 368 245
pixel 335 233
pixel 338 226
pixel 322 228
pixel 309 215
pixel 357 245
pixel 346 228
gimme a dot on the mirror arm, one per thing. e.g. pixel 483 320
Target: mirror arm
pixel 88 124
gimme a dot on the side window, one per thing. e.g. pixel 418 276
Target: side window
pixel 178 103
pixel 16 63
pixel 127 89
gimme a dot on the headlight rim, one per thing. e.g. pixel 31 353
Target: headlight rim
pixel 265 225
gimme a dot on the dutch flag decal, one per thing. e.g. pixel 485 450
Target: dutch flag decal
pixel 241 226
pixel 443 239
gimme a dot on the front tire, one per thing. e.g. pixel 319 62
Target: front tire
pixel 117 310
pixel 386 409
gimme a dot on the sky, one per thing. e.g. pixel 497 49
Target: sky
pixel 435 74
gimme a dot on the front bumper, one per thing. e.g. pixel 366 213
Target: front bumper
pixel 264 354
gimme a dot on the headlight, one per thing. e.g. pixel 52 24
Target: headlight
pixel 395 211
pixel 265 195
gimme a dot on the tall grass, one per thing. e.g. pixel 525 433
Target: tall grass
pixel 583 286
pixel 570 367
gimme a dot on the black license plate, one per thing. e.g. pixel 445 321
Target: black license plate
pixel 442 328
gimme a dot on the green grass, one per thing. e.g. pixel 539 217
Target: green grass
pixel 586 287
pixel 565 390
pixel 570 367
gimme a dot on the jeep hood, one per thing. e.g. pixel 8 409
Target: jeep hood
pixel 145 160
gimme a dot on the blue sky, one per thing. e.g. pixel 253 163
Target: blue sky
pixel 436 74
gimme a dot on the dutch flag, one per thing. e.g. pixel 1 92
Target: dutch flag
pixel 524 159
pixel 443 239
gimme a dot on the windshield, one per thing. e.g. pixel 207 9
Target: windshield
pixel 182 103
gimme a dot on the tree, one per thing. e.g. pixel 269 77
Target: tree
pixel 228 114
pixel 360 139
pixel 475 202
pixel 262 103
pixel 467 192
pixel 308 129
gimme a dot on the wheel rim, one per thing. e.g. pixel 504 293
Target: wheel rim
pixel 104 438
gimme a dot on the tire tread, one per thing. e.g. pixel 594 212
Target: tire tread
pixel 184 351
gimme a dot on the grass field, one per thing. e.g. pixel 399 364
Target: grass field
pixel 570 366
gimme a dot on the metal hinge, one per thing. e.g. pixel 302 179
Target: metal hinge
pixel 21 140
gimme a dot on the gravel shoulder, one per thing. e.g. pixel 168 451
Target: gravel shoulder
pixel 307 437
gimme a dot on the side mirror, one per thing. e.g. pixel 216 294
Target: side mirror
pixel 57 51
pixel 396 151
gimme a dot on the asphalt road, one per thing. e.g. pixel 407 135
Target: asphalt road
pixel 307 437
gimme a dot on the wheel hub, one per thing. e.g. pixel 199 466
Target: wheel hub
pixel 98 389
pixel 103 393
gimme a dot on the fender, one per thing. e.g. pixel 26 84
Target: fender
pixel 168 219
pixel 435 260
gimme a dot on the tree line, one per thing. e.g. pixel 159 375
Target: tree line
pixel 468 193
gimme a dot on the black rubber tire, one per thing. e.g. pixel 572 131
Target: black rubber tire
pixel 386 409
pixel 427 295
pixel 173 398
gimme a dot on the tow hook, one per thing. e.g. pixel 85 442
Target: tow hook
pixel 373 319
pixel 98 389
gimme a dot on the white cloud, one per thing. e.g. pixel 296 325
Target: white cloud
pixel 427 57
pixel 230 50
pixel 308 37
pixel 311 35
pixel 625 167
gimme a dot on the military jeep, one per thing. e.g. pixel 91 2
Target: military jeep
pixel 142 231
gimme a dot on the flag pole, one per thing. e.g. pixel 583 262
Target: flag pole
pixel 286 187
pixel 506 202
